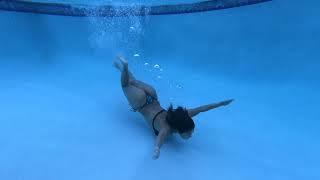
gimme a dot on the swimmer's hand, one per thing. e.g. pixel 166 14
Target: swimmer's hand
pixel 224 103
pixel 156 153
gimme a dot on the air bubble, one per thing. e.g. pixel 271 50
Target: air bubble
pixel 156 66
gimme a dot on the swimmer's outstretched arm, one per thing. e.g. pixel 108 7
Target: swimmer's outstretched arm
pixel 164 132
pixel 195 111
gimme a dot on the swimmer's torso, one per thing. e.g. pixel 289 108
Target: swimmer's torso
pixel 137 98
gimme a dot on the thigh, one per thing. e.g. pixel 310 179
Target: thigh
pixel 146 87
pixel 135 96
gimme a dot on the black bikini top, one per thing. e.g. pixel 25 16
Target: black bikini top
pixel 156 132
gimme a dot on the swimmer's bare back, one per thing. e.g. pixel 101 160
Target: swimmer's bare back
pixel 143 99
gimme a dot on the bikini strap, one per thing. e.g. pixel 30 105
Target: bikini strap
pixel 149 100
pixel 156 132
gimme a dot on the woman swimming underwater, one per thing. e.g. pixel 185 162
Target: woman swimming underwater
pixel 143 99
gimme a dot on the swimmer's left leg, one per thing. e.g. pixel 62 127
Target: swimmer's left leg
pixel 127 78
pixel 146 87
pixel 126 75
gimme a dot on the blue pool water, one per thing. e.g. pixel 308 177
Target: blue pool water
pixel 63 114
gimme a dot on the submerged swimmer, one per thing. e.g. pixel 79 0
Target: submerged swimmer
pixel 143 99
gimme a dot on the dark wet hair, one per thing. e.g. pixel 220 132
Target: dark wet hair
pixel 179 119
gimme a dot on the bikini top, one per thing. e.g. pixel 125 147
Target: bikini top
pixel 156 132
pixel 150 100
